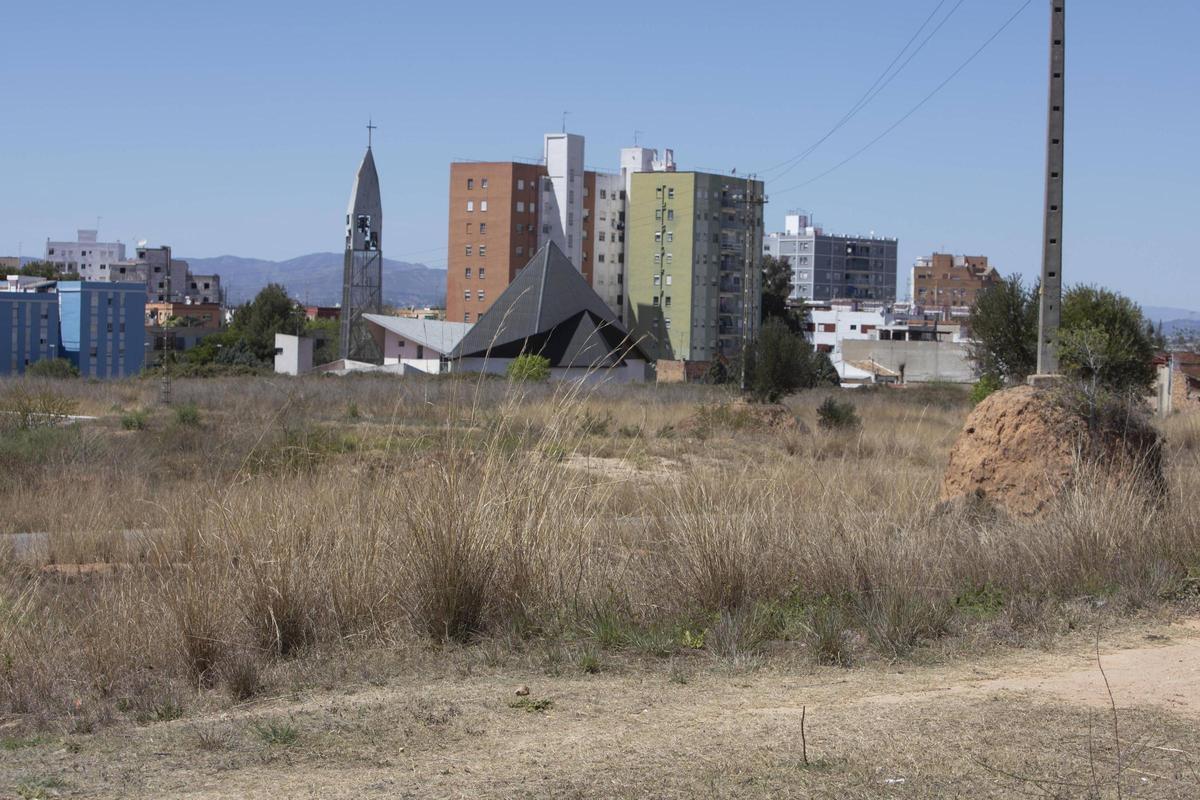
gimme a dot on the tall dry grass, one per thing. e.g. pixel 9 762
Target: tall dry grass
pixel 294 531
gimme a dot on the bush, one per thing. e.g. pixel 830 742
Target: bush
pixel 52 368
pixel 529 367
pixel 187 414
pixel 986 385
pixel 23 409
pixel 134 420
pixel 837 414
pixel 779 363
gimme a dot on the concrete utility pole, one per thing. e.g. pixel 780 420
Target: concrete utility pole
pixel 752 205
pixel 1050 308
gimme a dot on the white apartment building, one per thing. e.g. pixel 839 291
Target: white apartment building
pixel 562 195
pixel 608 241
pixel 91 258
pixel 828 326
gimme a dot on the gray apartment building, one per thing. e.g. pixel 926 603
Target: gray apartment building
pixel 827 266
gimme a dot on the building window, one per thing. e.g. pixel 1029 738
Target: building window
pixel 483 183
pixel 520 207
pixel 480 295
pixel 469 228
pixel 520 184
pixel 483 205
pixel 466 294
pixel 470 207
pixel 603 194
pixel 468 249
pixel 600 258
pixel 466 316
pixel 670 213
pixel 670 236
pixel 668 280
pixel 482 250
pixel 481 273
pixel 470 183
pixel 520 250
pixel 655 301
pixel 671 193
pixel 657 279
pixel 467 273
pixel 482 228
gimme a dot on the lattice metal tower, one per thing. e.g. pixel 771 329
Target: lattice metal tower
pixel 362 279
pixel 1050 311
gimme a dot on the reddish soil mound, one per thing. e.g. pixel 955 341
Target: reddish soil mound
pixel 1020 448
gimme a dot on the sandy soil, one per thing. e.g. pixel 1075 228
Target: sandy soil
pixel 1019 723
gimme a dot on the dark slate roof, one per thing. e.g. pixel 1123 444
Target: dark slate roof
pixel 549 309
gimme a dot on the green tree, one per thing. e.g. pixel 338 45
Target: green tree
pixel 270 312
pixel 1003 325
pixel 776 288
pixel 779 362
pixel 1105 341
pixel 528 367
pixel 48 270
pixel 52 368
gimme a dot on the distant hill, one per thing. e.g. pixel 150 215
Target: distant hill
pixel 1174 320
pixel 317 279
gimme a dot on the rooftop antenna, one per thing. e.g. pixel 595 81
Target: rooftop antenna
pixel 636 134
pixel 564 121
pixel 371 126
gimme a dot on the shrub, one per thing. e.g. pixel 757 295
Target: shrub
pixel 837 414
pixel 187 414
pixel 986 385
pixel 134 420
pixel 529 367
pixel 779 363
pixel 25 409
pixel 52 368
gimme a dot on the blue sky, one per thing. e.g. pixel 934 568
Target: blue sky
pixel 236 127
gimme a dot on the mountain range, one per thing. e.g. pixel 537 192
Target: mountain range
pixel 1173 320
pixel 316 279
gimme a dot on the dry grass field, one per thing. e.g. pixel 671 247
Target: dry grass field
pixel 333 587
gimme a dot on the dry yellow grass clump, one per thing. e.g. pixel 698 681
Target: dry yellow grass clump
pixel 280 522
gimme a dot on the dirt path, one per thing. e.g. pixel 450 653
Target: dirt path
pixel 1010 725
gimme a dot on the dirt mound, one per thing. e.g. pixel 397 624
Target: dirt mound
pixel 1021 447
pixel 740 416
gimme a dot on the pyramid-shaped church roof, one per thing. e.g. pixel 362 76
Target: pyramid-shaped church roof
pixel 549 309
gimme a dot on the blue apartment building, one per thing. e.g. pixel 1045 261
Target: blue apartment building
pixel 29 329
pixel 97 326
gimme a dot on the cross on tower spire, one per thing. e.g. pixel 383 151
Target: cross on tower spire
pixel 371 126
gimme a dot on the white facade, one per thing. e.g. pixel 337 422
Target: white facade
pixel 90 258
pixel 293 354
pixel 608 242
pixel 832 325
pixel 562 195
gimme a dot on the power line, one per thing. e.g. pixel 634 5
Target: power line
pixel 915 108
pixel 875 88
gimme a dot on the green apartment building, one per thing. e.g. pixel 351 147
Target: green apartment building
pixel 693 261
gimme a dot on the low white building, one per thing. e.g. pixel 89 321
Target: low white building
pixel 828 326
pixel 293 354
pixel 416 344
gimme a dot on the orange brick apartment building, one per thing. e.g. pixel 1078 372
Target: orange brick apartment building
pixel 949 284
pixel 501 212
